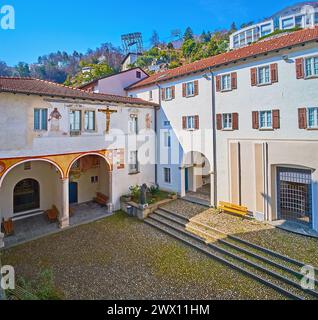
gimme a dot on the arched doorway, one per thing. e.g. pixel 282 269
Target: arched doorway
pixel 197 177
pixel 90 180
pixel 26 196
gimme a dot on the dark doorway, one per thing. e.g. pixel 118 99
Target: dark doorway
pixel 26 196
pixel 295 195
pixel 73 192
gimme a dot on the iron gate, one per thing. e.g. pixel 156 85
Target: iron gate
pixel 295 195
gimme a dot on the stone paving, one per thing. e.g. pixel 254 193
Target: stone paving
pixel 37 226
pixel 122 258
pixel 185 208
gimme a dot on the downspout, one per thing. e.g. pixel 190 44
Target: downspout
pixel 215 180
pixel 156 132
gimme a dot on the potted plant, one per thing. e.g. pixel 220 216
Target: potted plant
pixel 8 227
pixel 173 196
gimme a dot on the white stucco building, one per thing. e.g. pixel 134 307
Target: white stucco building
pixel 302 15
pixel 60 146
pixel 246 124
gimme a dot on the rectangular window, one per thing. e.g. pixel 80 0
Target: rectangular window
pixel 150 95
pixel 89 124
pixel 190 89
pixel 249 36
pixel 75 120
pixel 167 139
pixel 236 41
pixel 265 120
pixel 263 75
pixel 227 121
pixel 40 119
pixel 311 67
pixel 299 21
pixel 167 175
pixel 242 39
pixel 133 162
pixel 133 124
pixel 190 123
pixel 138 74
pixel 266 29
pixel 166 123
pixel 168 93
pixel 226 82
pixel 288 23
pixel 316 18
pixel 313 117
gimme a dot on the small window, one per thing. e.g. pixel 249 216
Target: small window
pixel 133 165
pixel 75 120
pixel 263 75
pixel 313 118
pixel 288 23
pixel 40 119
pixel 190 89
pixel 27 166
pixel 227 121
pixel 236 41
pixel 226 82
pixel 150 95
pixel 133 124
pixel 190 125
pixel 265 120
pixel 166 123
pixel 168 93
pixel 311 67
pixel 94 180
pixel 167 139
pixel 89 124
pixel 138 74
pixel 299 21
pixel 266 29
pixel 167 175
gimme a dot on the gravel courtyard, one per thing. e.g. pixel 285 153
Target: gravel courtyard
pixel 122 258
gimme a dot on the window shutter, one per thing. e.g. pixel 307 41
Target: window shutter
pixel 274 72
pixel 184 123
pixel 184 90
pixel 302 118
pixel 173 89
pixel 36 119
pixel 235 124
pixel 276 119
pixel 255 116
pixel 219 122
pixel 300 68
pixel 254 77
pixel 234 80
pixel 196 122
pixel 196 87
pixel 218 83
pixel 163 95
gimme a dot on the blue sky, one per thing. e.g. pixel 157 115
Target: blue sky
pixel 47 26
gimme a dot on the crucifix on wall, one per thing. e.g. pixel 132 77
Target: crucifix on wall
pixel 108 113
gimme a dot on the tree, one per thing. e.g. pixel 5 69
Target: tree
pixel 233 27
pixel 23 69
pixel 95 71
pixel 205 37
pixel 188 35
pixel 189 48
pixel 4 70
pixel 154 40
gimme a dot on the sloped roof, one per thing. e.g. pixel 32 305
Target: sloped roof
pixel 52 89
pixel 265 46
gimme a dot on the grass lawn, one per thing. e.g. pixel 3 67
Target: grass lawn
pixel 122 258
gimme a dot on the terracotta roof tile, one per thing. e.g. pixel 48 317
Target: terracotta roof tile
pixel 46 88
pixel 267 45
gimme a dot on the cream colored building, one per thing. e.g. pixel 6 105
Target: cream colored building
pixel 62 146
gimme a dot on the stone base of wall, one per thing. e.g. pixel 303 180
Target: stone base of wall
pixel 142 212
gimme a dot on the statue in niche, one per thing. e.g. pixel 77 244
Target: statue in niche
pixel 148 121
pixel 54 120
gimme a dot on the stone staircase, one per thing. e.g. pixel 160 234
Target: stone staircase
pixel 277 271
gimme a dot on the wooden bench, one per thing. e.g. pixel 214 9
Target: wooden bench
pixel 233 208
pixel 101 199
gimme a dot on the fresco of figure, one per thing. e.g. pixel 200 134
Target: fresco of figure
pixel 54 120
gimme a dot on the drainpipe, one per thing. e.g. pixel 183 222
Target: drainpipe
pixel 214 139
pixel 156 132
